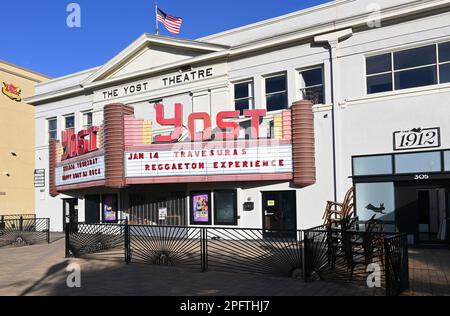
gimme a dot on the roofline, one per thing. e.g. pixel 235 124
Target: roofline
pixel 75 74
pixel 32 72
pixel 156 39
pixel 305 11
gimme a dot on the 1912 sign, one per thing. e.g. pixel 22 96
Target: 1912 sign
pixel 417 138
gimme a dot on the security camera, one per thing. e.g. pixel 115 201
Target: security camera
pixel 14 154
pixel 7 174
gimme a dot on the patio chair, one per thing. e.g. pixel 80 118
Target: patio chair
pixel 340 214
pixel 362 248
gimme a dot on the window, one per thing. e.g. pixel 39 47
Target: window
pixel 447 160
pixel 417 67
pixel 420 162
pixel 87 120
pixel 69 122
pixel 225 207
pixel 243 96
pixel 370 196
pixel 375 165
pixel 312 84
pixel 276 93
pixel 52 129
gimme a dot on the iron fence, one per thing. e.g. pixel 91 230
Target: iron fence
pixel 353 256
pixel 85 240
pixel 397 264
pixel 17 216
pixel 24 231
pixel 330 255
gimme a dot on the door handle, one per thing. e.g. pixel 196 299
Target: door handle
pixel 269 214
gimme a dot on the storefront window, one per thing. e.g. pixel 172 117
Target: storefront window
pixel 375 165
pixel 376 199
pixel 447 160
pixel 225 207
pixel 420 162
pixel 110 209
pixel 200 208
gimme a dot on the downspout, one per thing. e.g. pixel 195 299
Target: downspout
pixel 332 40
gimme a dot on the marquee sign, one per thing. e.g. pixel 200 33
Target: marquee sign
pixel 87 170
pixel 12 92
pixel 214 159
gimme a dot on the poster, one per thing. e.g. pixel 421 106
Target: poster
pixel 201 208
pixel 110 208
pixel 163 214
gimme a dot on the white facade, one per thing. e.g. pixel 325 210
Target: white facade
pixel 364 123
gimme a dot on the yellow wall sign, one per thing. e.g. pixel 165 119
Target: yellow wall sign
pixel 12 92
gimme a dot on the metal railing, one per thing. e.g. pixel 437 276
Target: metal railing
pixel 329 255
pixel 351 256
pixel 397 264
pixel 24 231
pixel 17 216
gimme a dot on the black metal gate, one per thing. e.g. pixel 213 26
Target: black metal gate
pixel 24 231
pixel 314 254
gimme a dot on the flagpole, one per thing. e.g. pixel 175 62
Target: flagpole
pixel 156 18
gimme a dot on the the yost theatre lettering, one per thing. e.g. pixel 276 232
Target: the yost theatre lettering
pixel 187 77
pixel 125 91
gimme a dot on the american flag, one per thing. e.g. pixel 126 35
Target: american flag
pixel 172 23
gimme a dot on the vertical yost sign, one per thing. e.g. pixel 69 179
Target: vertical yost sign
pixel 79 162
pixel 83 142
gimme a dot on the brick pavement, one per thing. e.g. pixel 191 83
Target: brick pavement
pixel 429 272
pixel 40 270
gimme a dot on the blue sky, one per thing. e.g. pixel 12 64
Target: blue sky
pixel 35 34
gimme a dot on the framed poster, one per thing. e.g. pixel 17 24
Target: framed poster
pixel 109 207
pixel 200 208
pixel 225 208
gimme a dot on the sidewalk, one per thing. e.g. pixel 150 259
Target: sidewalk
pixel 40 270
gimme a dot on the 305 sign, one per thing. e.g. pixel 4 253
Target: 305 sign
pixel 417 138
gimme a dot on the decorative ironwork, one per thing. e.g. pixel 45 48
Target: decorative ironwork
pixel 18 216
pixel 255 251
pixel 86 239
pixel 24 232
pixel 319 253
pixel 397 264
pixel 166 246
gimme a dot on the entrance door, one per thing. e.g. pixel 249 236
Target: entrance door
pixel 432 207
pixel 70 211
pixel 279 212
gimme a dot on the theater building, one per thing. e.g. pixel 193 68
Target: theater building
pixel 257 127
